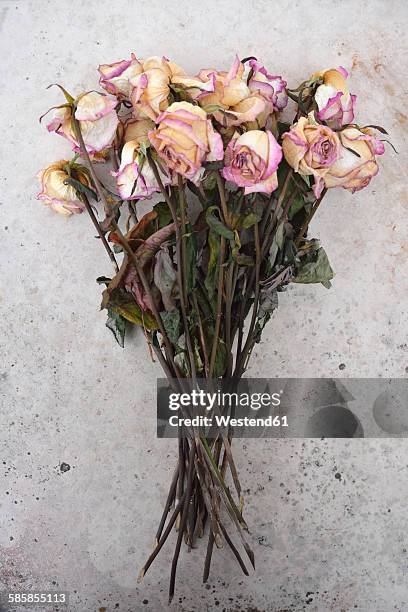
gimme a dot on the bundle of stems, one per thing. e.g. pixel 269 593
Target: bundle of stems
pixel 198 494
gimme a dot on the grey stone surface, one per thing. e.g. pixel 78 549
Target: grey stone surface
pixel 328 518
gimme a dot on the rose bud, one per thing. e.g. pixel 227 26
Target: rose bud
pixel 97 119
pixel 56 193
pixel 251 161
pixel 311 149
pixel 185 139
pixel 357 162
pixel 333 99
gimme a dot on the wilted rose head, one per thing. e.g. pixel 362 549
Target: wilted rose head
pixel 56 192
pixel 272 88
pixel 333 99
pixel 138 130
pixel 135 178
pixel 357 163
pixel 251 161
pixel 311 149
pixel 151 88
pixel 185 139
pixel 97 119
pixel 118 78
pixel 232 102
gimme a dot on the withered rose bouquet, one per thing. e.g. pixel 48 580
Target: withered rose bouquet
pixel 233 188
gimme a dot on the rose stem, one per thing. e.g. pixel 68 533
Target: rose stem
pixel 223 200
pixel 182 465
pixel 240 323
pixel 125 244
pixel 169 501
pixel 100 232
pixel 162 540
pixel 240 358
pixel 219 304
pixel 258 262
pixel 265 246
pixel 210 545
pixel 179 255
pixel 182 272
pixel 232 510
pixel 202 336
pixel 183 518
pixel 228 306
pixel 309 218
pixel 234 550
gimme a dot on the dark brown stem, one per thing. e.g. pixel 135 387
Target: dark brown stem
pixel 219 306
pixel 258 260
pixel 182 273
pixel 202 335
pixel 308 219
pixel 162 539
pixel 100 232
pixel 223 199
pixel 169 501
pixel 183 519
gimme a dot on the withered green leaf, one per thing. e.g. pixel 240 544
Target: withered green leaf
pixel 216 224
pixel 315 269
pixel 171 322
pixel 117 324
pixel 214 247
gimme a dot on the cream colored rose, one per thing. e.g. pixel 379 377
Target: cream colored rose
pixel 334 101
pixel 232 96
pixel 185 139
pixel 151 88
pixel 357 163
pixel 56 193
pixel 138 130
pixel 97 119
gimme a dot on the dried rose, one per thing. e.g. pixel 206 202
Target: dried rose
pixel 333 99
pixel 232 102
pixel 311 149
pixel 117 78
pixel 56 193
pixel 151 89
pixel 251 161
pixel 185 139
pixel 97 119
pixel 357 163
pixel 138 129
pixel 270 87
pixel 135 178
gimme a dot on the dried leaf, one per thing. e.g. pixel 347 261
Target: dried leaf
pixel 316 269
pixel 117 324
pixel 216 224
pixel 163 212
pixel 165 278
pixel 171 322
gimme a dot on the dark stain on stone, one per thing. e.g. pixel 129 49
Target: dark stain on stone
pixel 65 467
